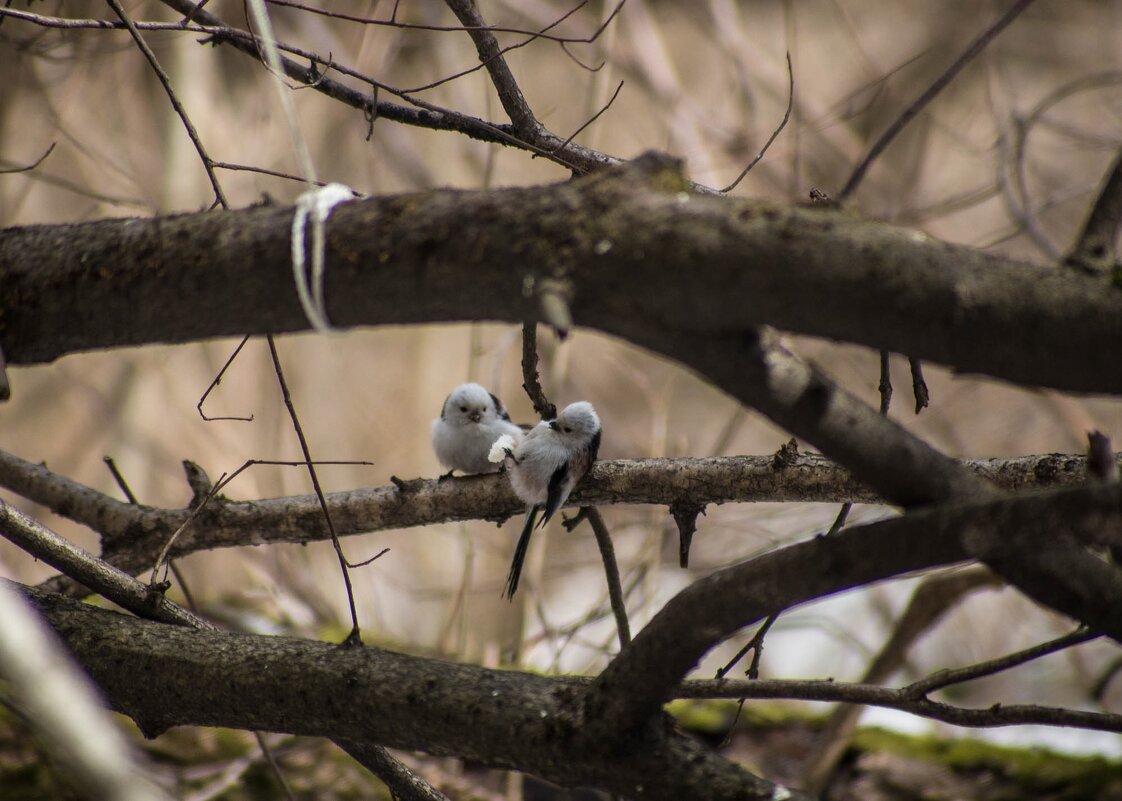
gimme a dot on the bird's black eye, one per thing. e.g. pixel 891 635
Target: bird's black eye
pixel 464 409
pixel 566 430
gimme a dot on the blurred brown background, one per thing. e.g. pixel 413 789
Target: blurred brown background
pixel 1007 158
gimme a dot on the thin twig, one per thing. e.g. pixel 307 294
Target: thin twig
pixel 890 698
pixel 590 120
pixel 32 165
pixel 945 678
pixel 611 573
pixel 756 645
pixel 355 637
pixel 929 94
pixel 884 387
pixel 532 36
pixel 775 133
pixel 220 197
pixel 839 521
pixel 510 93
pixel 530 381
pixel 919 385
pixel 120 479
pixel 218 380
pixel 403 783
pixel 267 752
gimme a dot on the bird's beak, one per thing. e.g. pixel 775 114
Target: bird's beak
pixel 553 424
pixel 475 416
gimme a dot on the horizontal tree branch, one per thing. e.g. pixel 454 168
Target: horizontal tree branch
pixel 163 676
pixel 133 534
pixel 899 698
pixel 639 254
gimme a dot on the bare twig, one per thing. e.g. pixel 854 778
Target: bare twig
pixel 756 646
pixel 510 93
pixel 403 783
pixel 218 380
pixel 884 386
pixel 131 534
pixel 5 382
pixel 355 637
pixel 220 197
pixel 839 521
pixel 530 380
pixel 775 133
pixel 929 94
pixel 611 573
pixel 873 695
pixel 32 165
pixel 591 119
pixel 919 385
pixel 945 678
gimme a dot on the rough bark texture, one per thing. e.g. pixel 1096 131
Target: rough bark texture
pixel 163 676
pixel 638 254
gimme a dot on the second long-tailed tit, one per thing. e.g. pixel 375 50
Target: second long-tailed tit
pixel 469 423
pixel 545 466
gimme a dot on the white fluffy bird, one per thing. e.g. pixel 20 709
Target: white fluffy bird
pixel 469 423
pixel 545 466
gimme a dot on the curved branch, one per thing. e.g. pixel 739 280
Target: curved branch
pixel 642 677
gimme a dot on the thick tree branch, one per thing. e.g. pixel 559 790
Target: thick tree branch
pixel 642 676
pixel 163 676
pixel 692 265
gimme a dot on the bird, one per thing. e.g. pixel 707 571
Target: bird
pixel 545 466
pixel 470 421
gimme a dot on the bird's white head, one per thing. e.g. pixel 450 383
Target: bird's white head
pixel 470 403
pixel 577 420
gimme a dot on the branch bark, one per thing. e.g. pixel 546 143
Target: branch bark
pixel 163 676
pixel 133 534
pixel 640 679
pixel 646 260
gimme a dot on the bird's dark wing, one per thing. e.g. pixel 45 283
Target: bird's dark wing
pixel 500 410
pixel 593 450
pixel 520 554
pixel 553 496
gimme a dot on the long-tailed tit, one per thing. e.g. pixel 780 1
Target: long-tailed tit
pixel 545 466
pixel 469 423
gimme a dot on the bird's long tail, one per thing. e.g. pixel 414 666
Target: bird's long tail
pixel 520 553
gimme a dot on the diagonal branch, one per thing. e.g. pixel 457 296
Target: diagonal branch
pixel 642 677
pixel 1094 251
pixel 165 81
pixel 510 93
pixel 929 94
